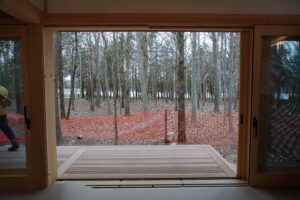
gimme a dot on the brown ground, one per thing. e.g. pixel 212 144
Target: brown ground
pixel 97 128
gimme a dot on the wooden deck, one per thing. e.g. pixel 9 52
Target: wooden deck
pixel 12 160
pixel 141 162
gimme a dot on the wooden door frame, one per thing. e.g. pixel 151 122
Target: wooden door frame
pixel 245 88
pixel 34 176
pixel 18 177
pixel 246 55
pixel 258 177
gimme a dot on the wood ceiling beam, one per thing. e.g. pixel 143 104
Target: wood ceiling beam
pixel 22 10
pixel 168 20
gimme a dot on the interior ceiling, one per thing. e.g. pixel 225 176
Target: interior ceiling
pixel 38 3
pixel 3 15
pixel 174 6
pixel 8 19
pixel 170 6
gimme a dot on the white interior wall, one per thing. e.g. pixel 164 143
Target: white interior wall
pixel 175 6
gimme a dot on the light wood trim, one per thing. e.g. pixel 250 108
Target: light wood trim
pixel 154 21
pixel 21 10
pixel 18 179
pixel 38 171
pixel 50 105
pixel 255 101
pixel 144 28
pixel 246 54
pixel 245 97
pixel 258 177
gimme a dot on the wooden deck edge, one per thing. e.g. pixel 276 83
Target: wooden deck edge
pixel 221 162
pixel 63 167
pixel 226 171
pixel 153 147
pixel 162 183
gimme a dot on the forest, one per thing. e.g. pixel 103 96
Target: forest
pixel 11 73
pixel 111 70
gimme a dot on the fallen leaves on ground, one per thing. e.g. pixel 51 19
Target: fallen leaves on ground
pixel 209 128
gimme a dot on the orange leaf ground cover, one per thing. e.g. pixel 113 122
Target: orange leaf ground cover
pixel 209 128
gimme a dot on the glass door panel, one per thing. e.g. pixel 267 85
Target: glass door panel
pixel 280 88
pixel 275 135
pixel 12 126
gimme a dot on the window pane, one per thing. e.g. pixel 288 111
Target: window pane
pixel 12 135
pixel 149 88
pixel 281 91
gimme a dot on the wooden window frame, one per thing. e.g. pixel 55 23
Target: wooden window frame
pixel 258 175
pixel 245 86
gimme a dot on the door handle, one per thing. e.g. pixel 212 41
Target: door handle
pixel 26 119
pixel 255 126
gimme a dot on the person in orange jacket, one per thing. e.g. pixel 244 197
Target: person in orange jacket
pixel 4 103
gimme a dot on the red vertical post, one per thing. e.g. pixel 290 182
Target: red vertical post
pixel 166 128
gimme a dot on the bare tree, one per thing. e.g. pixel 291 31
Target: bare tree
pixel 181 87
pixel 60 73
pixel 59 86
pixel 17 81
pixel 231 90
pixel 96 53
pixel 127 63
pixel 90 74
pixel 115 90
pixel 105 58
pixel 216 71
pixel 142 46
pixel 73 76
pixel 199 63
pixel 194 77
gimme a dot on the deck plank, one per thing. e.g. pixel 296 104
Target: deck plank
pixel 143 162
pixel 67 164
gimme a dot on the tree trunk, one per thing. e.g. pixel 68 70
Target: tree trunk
pixel 60 74
pixel 127 57
pixel 143 64
pixel 73 76
pixel 17 76
pixel 96 59
pixel 216 83
pixel 230 84
pixel 157 73
pixel 57 70
pixel 200 84
pixel 120 71
pixel 181 88
pixel 57 118
pixel 107 92
pixel 115 90
pixel 224 74
pixel 194 78
pixel 82 81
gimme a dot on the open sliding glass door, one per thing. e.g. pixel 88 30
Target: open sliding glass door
pixel 14 165
pixel 275 135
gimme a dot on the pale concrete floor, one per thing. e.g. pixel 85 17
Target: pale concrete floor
pixel 74 191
